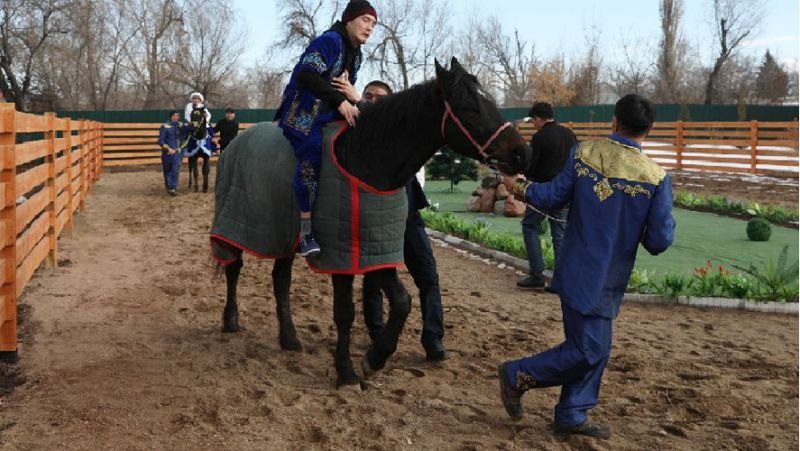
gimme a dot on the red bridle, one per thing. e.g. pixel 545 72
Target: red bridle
pixel 448 111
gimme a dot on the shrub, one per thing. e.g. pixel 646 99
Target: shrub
pixel 775 280
pixel 758 229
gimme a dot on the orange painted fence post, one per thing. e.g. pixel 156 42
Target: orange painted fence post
pixel 52 235
pixel 82 163
pixel 8 234
pixel 68 171
pixel 753 146
pixel 679 145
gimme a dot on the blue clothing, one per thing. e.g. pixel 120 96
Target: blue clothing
pixel 204 146
pixel 576 365
pixel 619 198
pixel 171 135
pixel 530 235
pixel 306 108
pixel 171 164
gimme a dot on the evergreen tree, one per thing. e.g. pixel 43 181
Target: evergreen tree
pixel 448 165
pixel 772 82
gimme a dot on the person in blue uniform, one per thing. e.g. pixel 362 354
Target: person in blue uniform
pixel 170 139
pixel 419 260
pixel 319 92
pixel 619 198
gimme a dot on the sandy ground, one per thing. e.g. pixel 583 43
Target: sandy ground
pixel 122 349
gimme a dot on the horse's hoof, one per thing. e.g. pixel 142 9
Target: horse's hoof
pixel 366 368
pixel 348 381
pixel 292 344
pixel 232 328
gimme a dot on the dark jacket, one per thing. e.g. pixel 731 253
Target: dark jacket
pixel 551 146
pixel 417 200
pixel 227 131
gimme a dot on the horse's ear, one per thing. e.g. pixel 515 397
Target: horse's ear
pixel 440 71
pixel 455 65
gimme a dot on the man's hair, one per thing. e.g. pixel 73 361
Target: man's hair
pixel 635 114
pixel 541 109
pixel 230 110
pixel 173 112
pixel 379 84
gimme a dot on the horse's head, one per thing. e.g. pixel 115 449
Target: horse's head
pixel 198 123
pixel 473 126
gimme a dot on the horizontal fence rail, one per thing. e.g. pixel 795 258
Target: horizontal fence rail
pixel 47 168
pixel 769 148
pixel 765 148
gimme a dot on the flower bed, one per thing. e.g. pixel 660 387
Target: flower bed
pixel 775 280
pixel 733 208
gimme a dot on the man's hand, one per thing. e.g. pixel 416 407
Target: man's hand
pixel 349 112
pixel 342 84
pixel 514 187
pixel 172 151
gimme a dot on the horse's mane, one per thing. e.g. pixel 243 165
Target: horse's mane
pixel 384 117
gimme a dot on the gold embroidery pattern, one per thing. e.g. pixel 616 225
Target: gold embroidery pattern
pixel 584 172
pixel 618 161
pixel 302 120
pixel 632 190
pixel 603 190
pixel 525 382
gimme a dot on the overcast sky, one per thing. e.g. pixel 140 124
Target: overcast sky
pixel 558 27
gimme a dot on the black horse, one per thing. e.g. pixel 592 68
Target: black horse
pixel 391 142
pixel 198 146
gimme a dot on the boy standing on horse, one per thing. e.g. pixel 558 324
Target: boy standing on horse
pixel 170 138
pixel 320 91
pixel 618 199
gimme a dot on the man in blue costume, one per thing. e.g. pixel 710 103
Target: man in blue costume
pixel 618 199
pixel 419 260
pixel 170 138
pixel 313 98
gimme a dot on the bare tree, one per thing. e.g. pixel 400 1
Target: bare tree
pixel 585 73
pixel 25 28
pixel 734 21
pixel 670 50
pixel 409 34
pixel 305 20
pixel 212 45
pixel 512 59
pixel 631 74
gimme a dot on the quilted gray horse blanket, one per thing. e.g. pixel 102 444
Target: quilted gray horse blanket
pixel 358 227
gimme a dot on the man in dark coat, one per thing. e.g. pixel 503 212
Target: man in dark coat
pixel 228 128
pixel 419 260
pixel 551 145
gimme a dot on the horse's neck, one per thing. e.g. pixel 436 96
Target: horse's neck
pixel 387 161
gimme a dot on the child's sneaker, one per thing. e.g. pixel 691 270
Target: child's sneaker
pixel 309 246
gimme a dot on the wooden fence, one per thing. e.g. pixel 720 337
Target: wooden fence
pixel 47 168
pixel 756 147
pixel 769 148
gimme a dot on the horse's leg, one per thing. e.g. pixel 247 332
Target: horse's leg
pixel 281 283
pixel 343 315
pixel 230 317
pixel 192 163
pixel 194 170
pixel 400 305
pixel 206 171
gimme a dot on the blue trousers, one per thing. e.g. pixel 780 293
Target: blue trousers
pixel 171 164
pixel 530 235
pixel 421 264
pixel 308 152
pixel 576 365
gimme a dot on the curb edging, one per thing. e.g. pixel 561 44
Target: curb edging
pixel 786 308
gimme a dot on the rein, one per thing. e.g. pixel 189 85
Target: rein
pixel 448 112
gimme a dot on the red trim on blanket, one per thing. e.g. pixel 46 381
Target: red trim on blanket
pixel 356 272
pixel 349 176
pixel 215 236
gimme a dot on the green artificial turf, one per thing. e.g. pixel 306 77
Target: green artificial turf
pixel 699 237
